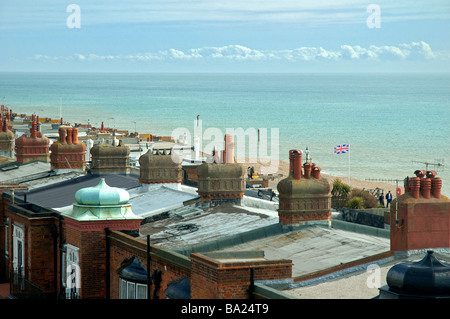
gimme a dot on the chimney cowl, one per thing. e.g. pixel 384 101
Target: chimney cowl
pixel 420 173
pixel 431 174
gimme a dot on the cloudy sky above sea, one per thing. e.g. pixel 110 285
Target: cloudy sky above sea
pixel 225 36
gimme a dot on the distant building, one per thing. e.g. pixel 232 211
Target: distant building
pixel 32 148
pixel 6 140
pixel 107 158
pixel 305 198
pixel 68 153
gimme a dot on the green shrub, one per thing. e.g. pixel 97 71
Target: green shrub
pixel 369 200
pixel 339 193
pixel 355 203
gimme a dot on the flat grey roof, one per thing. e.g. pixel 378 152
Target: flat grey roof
pixel 317 248
pixel 158 200
pixel 203 226
pixel 360 284
pixel 16 173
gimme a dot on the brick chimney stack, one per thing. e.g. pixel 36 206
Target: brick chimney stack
pixel 68 152
pixel 303 201
pixel 223 180
pixel 32 148
pixel 419 218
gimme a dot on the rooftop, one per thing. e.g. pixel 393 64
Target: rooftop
pixel 362 283
pixel 14 173
pixel 160 199
pixel 195 227
pixel 317 248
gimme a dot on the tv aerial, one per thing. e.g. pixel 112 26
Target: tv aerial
pixel 439 164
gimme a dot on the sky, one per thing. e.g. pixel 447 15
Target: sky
pixel 224 36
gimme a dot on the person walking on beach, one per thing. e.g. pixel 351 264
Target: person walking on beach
pixel 381 199
pixel 388 198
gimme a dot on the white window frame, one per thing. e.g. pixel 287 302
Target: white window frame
pixel 72 261
pixel 19 249
pixel 7 237
pixel 132 290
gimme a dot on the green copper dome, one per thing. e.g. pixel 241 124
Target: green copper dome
pixel 101 202
pixel 102 195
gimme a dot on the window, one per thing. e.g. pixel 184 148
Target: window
pixel 133 279
pixel 132 290
pixel 141 291
pixel 7 237
pixel 72 273
pixel 18 249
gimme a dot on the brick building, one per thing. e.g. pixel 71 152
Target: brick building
pixel 97 247
pixel 78 254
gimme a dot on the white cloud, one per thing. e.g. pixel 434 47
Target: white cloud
pixel 413 50
pixel 403 51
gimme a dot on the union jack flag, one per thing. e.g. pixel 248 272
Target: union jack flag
pixel 342 149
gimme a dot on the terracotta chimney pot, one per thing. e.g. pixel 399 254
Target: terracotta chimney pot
pixel 297 164
pixel 69 135
pixel 436 186
pixel 291 162
pixel 407 184
pixel 415 187
pixel 307 169
pixel 62 135
pixel 426 187
pixel 316 172
pixel 75 135
pixel 34 129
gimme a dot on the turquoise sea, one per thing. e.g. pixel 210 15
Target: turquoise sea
pixel 394 123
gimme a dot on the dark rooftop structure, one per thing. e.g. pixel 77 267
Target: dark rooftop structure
pixel 427 278
pixel 53 196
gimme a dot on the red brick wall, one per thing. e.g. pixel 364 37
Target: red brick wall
pixel 423 223
pixel 38 249
pixel 211 279
pixel 122 246
pixel 41 264
pixel 191 172
pixel 93 264
pixel 4 264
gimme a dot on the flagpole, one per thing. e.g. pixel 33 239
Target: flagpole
pixel 349 164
